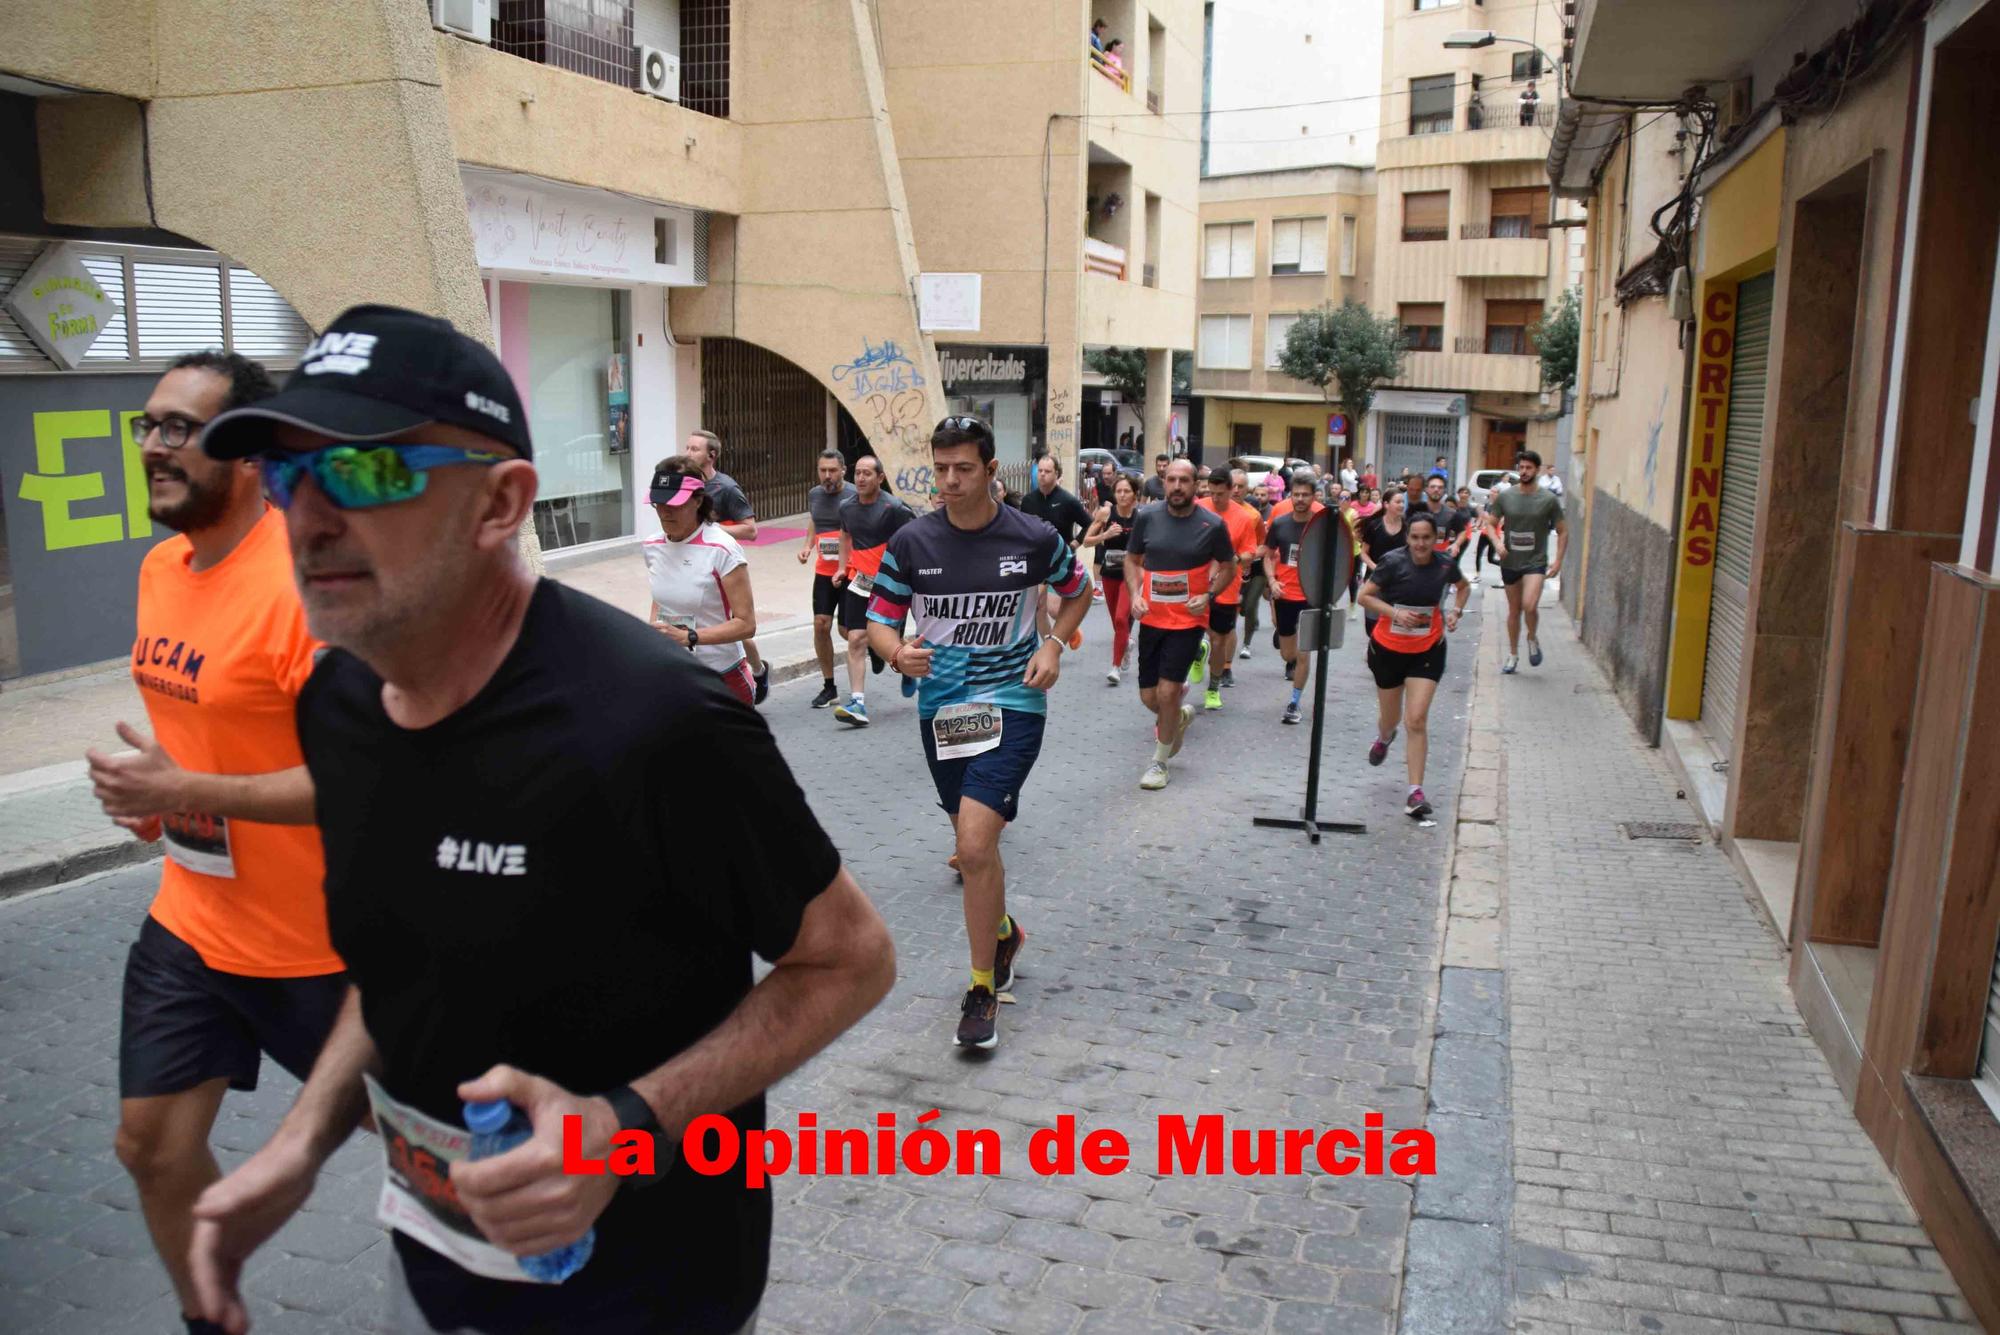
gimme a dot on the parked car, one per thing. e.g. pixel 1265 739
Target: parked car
pixel 1261 466
pixel 1093 460
pixel 1486 479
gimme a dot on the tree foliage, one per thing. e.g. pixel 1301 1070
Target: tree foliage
pixel 1555 337
pixel 1345 352
pixel 1124 369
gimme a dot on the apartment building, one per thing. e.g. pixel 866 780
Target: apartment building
pixel 1275 244
pixel 798 222
pixel 1793 559
pixel 1464 259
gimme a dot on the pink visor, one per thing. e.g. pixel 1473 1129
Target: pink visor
pixel 677 491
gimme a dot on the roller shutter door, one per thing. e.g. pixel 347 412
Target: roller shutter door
pixel 1736 536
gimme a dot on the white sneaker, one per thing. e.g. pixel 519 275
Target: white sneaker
pixel 1512 663
pixel 1244 652
pixel 1155 777
pixel 1111 677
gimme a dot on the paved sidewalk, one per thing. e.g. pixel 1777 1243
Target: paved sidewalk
pixel 1682 1157
pixel 1179 962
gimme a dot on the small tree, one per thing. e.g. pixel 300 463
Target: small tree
pixel 1124 369
pixel 1345 352
pixel 1555 336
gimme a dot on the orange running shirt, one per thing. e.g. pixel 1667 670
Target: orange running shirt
pixel 220 658
pixel 1176 551
pixel 1246 535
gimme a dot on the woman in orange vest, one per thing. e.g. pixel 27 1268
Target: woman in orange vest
pixel 1405 594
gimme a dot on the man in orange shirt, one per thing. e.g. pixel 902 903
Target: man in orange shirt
pixel 233 959
pixel 1246 535
pixel 1177 557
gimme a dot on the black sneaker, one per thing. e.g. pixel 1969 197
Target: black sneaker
pixel 979 1019
pixel 1228 677
pixel 827 695
pixel 763 680
pixel 1003 957
pixel 875 663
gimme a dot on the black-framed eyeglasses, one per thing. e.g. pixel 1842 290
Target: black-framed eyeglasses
pixel 175 430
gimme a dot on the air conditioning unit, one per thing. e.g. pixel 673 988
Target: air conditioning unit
pixel 464 18
pixel 1732 105
pixel 659 73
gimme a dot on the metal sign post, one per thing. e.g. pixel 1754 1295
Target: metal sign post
pixel 1326 556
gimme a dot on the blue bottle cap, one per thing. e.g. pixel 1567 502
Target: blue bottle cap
pixel 486 1116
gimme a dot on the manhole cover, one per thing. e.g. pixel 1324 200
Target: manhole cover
pixel 1661 829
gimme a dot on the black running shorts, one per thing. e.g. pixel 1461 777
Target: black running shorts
pixel 826 598
pixel 1516 576
pixel 1392 669
pixel 1286 617
pixel 1222 617
pixel 1167 654
pixel 185 1023
pixel 853 610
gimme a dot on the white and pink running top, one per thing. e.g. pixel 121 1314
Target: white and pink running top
pixel 686 582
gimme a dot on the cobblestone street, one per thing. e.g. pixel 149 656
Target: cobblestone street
pixel 1178 963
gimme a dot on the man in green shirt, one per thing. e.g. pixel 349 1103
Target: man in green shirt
pixel 1519 521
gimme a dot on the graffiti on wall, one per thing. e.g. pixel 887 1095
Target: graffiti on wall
pixel 882 368
pixel 889 404
pixel 1062 420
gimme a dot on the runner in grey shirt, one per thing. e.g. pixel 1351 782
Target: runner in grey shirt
pixel 1519 521
pixel 822 548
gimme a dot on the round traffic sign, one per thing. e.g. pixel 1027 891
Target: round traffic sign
pixel 1327 538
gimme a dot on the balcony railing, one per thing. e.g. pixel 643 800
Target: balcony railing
pixel 1503 229
pixel 595 38
pixel 1103 257
pixel 1110 69
pixel 1499 341
pixel 1433 123
pixel 1505 117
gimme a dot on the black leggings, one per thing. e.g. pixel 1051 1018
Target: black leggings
pixel 1486 548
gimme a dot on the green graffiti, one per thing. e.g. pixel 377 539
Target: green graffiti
pixel 55 491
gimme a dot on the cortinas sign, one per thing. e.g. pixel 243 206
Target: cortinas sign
pixel 61 306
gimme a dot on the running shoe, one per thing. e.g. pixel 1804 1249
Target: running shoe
pixel 909 687
pixel 1513 663
pixel 1417 808
pixel 1076 639
pixel 875 663
pixel 1200 664
pixel 1003 957
pixel 1155 777
pixel 854 712
pixel 1244 652
pixel 1378 751
pixel 763 680
pixel 1292 714
pixel 1111 677
pixel 1187 718
pixel 1534 653
pixel 979 1019
pixel 1212 700
pixel 1228 677
pixel 827 695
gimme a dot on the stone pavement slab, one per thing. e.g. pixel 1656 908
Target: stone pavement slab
pixel 1178 963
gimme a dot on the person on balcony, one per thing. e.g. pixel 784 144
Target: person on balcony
pixel 1530 103
pixel 1114 61
pixel 1097 29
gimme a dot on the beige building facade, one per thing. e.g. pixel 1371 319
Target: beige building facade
pixel 1465 259
pixel 829 223
pixel 1275 245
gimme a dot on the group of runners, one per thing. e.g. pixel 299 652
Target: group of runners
pixel 428 820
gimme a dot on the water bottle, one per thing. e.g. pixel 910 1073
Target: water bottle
pixel 498 1126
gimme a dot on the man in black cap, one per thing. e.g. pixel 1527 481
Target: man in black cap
pixel 501 766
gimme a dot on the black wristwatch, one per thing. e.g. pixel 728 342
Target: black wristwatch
pixel 635 1114
pixel 694 637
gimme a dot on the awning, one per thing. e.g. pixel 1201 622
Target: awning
pixel 1583 138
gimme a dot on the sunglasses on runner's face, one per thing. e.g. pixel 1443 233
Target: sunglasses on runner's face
pixel 362 476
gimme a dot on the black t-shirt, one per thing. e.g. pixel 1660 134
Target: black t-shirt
pixel 731 505
pixel 1111 552
pixel 1400 582
pixel 569 875
pixel 1063 511
pixel 1376 537
pixel 1154 488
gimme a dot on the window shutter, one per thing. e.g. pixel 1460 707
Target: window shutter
pixel 1274 338
pixel 1427 211
pixel 1285 242
pixel 1239 342
pixel 1215 243
pixel 1214 339
pixel 261 325
pixel 179 305
pixel 1312 253
pixel 1242 249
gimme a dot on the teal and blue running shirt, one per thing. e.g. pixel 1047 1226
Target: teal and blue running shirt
pixel 970 598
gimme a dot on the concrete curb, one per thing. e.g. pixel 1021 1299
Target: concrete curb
pixel 40 870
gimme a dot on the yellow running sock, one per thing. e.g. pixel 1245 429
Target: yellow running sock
pixel 1006 926
pixel 983 978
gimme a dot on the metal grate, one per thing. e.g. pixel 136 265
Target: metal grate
pixel 771 416
pixel 1685 830
pixel 705 56
pixel 589 37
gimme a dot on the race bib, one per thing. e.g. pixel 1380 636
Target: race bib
pixel 1114 558
pixel 963 731
pixel 1292 556
pixel 829 547
pixel 418 1199
pixel 199 843
pixel 861 584
pixel 678 622
pixel 1520 542
pixel 1169 588
pixel 1429 615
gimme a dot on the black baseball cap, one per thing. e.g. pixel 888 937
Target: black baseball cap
pixel 379 371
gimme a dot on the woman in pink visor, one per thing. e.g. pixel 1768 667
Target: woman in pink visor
pixel 699 577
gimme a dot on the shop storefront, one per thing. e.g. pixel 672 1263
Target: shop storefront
pixel 74 526
pixel 1409 429
pixel 1007 386
pixel 576 285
